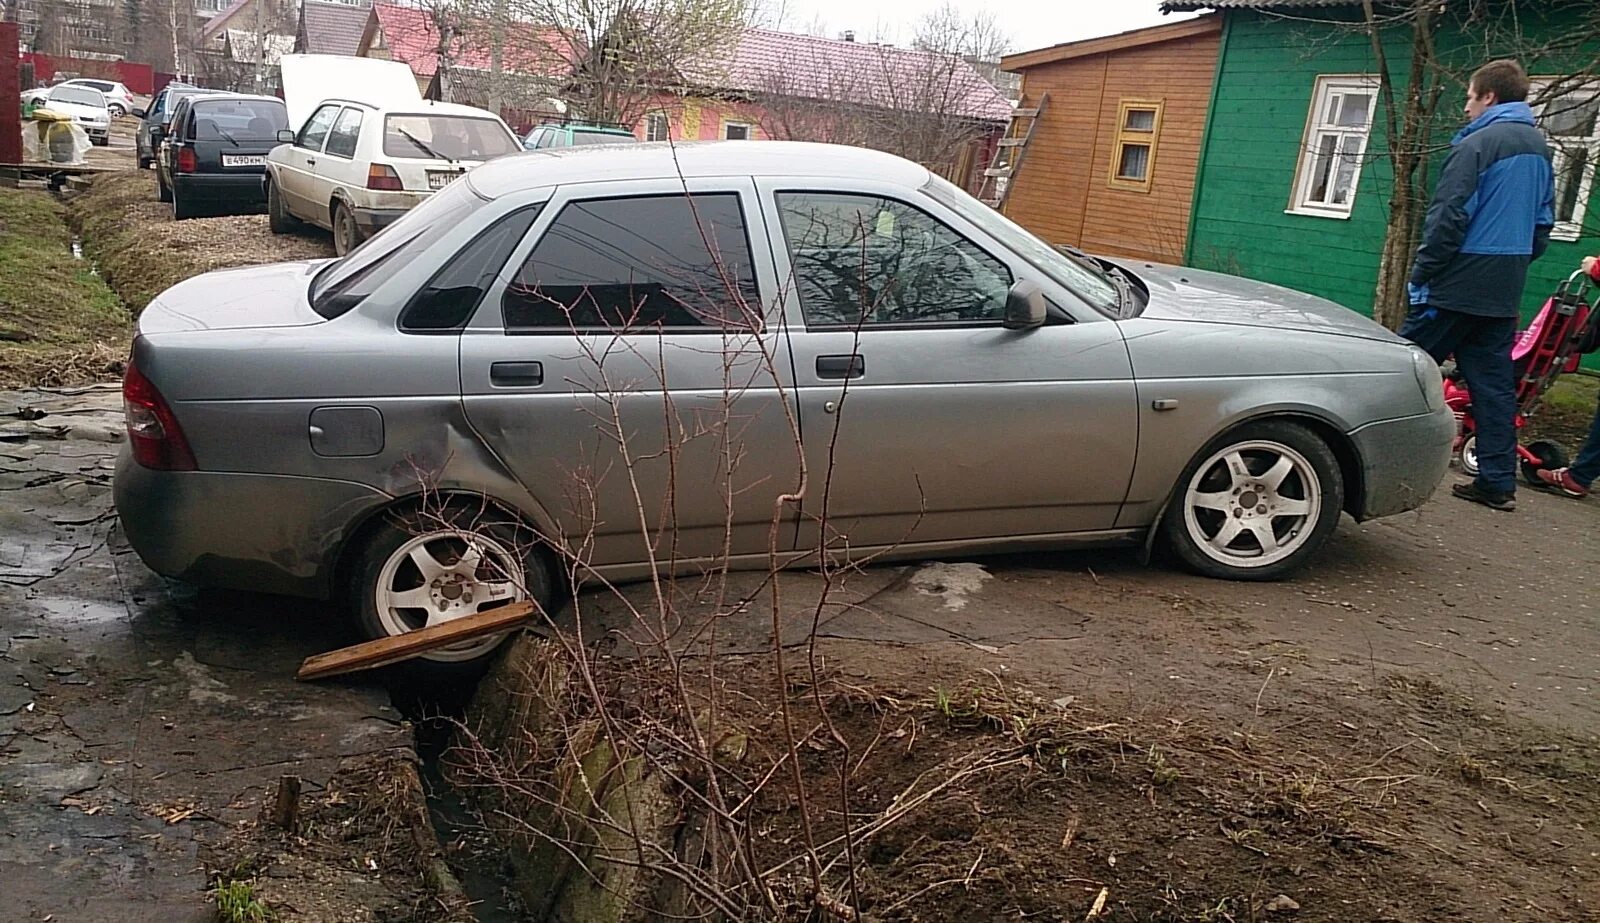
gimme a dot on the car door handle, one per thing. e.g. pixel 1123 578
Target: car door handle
pixel 310 162
pixel 516 374
pixel 852 366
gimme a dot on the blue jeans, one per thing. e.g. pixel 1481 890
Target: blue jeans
pixel 1586 470
pixel 1482 347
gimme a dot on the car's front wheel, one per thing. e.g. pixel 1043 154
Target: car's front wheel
pixel 279 221
pixel 1256 504
pixel 425 568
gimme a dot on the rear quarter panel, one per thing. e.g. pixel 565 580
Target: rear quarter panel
pixel 1223 375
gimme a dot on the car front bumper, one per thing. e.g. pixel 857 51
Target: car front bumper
pixel 1403 461
pixel 246 188
pixel 256 532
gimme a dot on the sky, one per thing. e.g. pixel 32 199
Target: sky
pixel 1029 23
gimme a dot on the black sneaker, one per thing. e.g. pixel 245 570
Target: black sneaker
pixel 1505 503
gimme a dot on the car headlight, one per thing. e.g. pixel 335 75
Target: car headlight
pixel 1429 378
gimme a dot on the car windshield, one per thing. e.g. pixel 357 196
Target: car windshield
pixel 446 137
pixel 591 136
pixel 83 96
pixel 1082 278
pixel 344 283
pixel 239 120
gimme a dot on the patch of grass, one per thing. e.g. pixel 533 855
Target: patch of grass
pixel 237 903
pixel 59 322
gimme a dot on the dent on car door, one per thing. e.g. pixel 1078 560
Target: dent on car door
pixel 628 374
pixel 928 420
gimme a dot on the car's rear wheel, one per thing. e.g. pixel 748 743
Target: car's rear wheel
pixel 346 233
pixel 424 569
pixel 182 209
pixel 116 110
pixel 1256 504
pixel 279 221
pixel 163 194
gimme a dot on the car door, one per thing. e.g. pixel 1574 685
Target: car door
pixel 298 176
pixel 633 381
pixel 338 168
pixel 925 420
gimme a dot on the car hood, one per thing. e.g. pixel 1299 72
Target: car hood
pixel 255 296
pixel 1184 294
pixel 309 79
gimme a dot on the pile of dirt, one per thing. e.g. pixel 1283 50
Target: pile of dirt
pixel 986 800
pixel 141 251
pixel 59 323
pixel 363 849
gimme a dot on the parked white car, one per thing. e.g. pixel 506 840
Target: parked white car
pixel 118 97
pixel 354 168
pixel 353 165
pixel 86 105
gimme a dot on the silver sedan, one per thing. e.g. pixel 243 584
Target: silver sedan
pixel 623 361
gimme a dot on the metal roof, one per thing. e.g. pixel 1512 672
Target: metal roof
pixel 1186 6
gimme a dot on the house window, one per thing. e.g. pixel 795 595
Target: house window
pixel 1571 122
pixel 736 131
pixel 1134 158
pixel 1334 144
pixel 656 127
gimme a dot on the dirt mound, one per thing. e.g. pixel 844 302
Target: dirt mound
pixel 141 251
pixel 983 800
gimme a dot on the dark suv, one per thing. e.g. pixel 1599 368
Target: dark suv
pixel 215 159
pixel 156 118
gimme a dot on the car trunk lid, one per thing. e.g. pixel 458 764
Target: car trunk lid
pixel 254 296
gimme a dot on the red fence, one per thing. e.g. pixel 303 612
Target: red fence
pixel 138 78
pixel 10 97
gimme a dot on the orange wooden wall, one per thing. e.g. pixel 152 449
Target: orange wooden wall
pixel 1063 191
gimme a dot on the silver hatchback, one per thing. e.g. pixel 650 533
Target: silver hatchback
pixel 623 361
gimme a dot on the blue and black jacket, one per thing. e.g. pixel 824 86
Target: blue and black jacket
pixel 1491 216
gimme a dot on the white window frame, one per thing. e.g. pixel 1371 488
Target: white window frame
pixel 1317 127
pixel 1573 229
pixel 654 119
pixel 749 129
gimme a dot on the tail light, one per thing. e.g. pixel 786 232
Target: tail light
pixel 187 162
pixel 382 176
pixel 153 432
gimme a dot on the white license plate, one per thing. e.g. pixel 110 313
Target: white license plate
pixel 441 180
pixel 244 160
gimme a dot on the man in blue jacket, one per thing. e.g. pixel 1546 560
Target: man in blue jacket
pixel 1491 216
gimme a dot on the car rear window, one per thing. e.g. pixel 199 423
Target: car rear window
pixel 84 96
pixel 446 137
pixel 345 283
pixel 239 119
pixel 600 137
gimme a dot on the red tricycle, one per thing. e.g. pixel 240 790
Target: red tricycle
pixel 1563 330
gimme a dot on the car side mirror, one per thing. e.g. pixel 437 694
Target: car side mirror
pixel 139 113
pixel 285 136
pixel 1024 306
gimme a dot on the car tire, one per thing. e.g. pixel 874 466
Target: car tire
pixel 100 142
pixel 279 221
pixel 346 233
pixel 116 110
pixel 163 194
pixel 413 557
pixel 1256 504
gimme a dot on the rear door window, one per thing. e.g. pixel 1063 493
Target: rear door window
pixel 639 264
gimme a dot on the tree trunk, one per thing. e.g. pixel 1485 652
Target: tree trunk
pixel 1408 151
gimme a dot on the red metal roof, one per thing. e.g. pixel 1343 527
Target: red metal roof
pixel 411 38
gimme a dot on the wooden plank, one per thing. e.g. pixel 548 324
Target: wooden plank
pixel 369 655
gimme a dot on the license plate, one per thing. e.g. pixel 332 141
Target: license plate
pixel 244 160
pixel 441 180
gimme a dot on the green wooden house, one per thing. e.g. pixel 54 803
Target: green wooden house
pixel 1294 180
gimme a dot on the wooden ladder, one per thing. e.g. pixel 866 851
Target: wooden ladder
pixel 1000 178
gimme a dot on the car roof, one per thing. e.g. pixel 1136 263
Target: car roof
pixel 231 97
pixel 660 159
